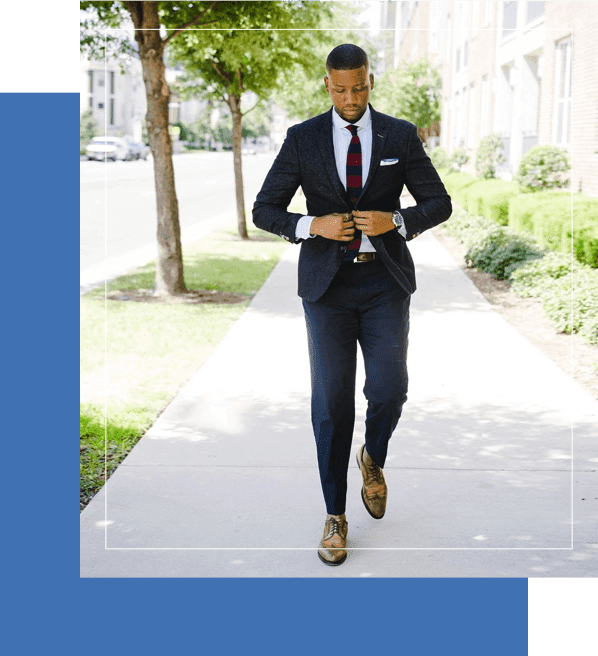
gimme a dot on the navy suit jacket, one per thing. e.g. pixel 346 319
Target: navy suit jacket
pixel 306 159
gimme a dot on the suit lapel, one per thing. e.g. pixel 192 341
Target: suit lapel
pixel 326 146
pixel 378 140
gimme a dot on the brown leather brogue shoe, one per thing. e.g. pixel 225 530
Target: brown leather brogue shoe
pixel 332 547
pixel 374 491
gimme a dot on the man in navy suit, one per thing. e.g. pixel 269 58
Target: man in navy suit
pixel 356 274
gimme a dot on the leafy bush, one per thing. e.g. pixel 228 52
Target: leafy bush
pixel 572 303
pixel 568 291
pixel 536 277
pixel 459 158
pixel 501 253
pixel 489 156
pixel 456 183
pixel 439 158
pixel 523 208
pixel 469 229
pixel 543 167
pixel 490 198
pixel 561 221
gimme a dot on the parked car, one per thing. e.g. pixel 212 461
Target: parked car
pixel 137 150
pixel 110 148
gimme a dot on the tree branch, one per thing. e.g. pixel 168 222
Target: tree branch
pixel 191 22
pixel 219 72
pixel 259 100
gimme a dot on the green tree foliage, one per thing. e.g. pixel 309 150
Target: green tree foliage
pixel 301 89
pixel 87 127
pixel 159 24
pixel 223 65
pixel 412 92
pixel 258 122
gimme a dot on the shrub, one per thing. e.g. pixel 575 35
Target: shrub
pixel 456 183
pixel 459 158
pixel 490 198
pixel 469 229
pixel 523 208
pixel 568 291
pixel 560 221
pixel 489 156
pixel 501 253
pixel 440 158
pixel 536 277
pixel 572 303
pixel 543 167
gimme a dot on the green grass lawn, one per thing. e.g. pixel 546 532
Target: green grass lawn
pixel 136 356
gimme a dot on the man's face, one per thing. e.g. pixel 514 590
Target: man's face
pixel 350 92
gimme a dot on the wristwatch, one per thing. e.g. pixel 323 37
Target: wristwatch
pixel 397 219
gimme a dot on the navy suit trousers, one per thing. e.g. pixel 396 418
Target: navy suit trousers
pixel 364 304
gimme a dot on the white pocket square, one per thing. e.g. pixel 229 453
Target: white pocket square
pixel 388 162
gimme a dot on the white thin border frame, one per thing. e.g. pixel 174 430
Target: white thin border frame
pixel 106 522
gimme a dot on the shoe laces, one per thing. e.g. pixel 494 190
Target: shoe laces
pixel 334 526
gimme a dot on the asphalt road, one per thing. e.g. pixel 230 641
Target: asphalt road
pixel 118 206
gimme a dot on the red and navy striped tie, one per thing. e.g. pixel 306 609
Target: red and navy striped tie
pixel 354 184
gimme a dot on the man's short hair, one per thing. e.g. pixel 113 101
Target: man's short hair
pixel 347 57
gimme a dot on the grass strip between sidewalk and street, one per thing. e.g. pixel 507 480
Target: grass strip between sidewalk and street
pixel 135 356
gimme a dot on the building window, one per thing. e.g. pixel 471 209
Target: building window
pixel 458 60
pixel 101 82
pixel 90 102
pixel 100 105
pixel 563 91
pixel 112 83
pixel 465 53
pixel 534 10
pixel 509 18
pixel 90 74
pixel 111 111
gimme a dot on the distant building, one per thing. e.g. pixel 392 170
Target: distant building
pixel 526 70
pixel 116 99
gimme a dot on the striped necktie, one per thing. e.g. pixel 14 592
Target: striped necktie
pixel 354 184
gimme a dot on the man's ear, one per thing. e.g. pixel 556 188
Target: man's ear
pixel 326 83
pixel 371 80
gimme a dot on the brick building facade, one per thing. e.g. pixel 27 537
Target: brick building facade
pixel 526 70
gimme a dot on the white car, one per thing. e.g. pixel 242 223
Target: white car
pixel 109 148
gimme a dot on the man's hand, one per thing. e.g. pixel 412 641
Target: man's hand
pixel 372 222
pixel 339 227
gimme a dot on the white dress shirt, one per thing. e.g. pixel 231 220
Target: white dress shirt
pixel 341 137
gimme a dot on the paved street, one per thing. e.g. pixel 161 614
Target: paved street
pixel 118 206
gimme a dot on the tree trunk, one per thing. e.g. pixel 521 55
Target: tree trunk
pixel 234 102
pixel 169 271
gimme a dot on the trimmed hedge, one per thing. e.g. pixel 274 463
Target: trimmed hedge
pixel 544 214
pixel 490 198
pixel 456 183
pixel 560 221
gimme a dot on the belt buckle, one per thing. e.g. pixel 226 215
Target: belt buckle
pixel 365 257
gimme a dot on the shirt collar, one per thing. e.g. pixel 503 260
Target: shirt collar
pixel 340 123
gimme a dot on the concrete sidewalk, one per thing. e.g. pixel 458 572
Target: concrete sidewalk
pixel 480 472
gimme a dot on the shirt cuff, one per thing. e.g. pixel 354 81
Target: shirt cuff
pixel 402 231
pixel 303 227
